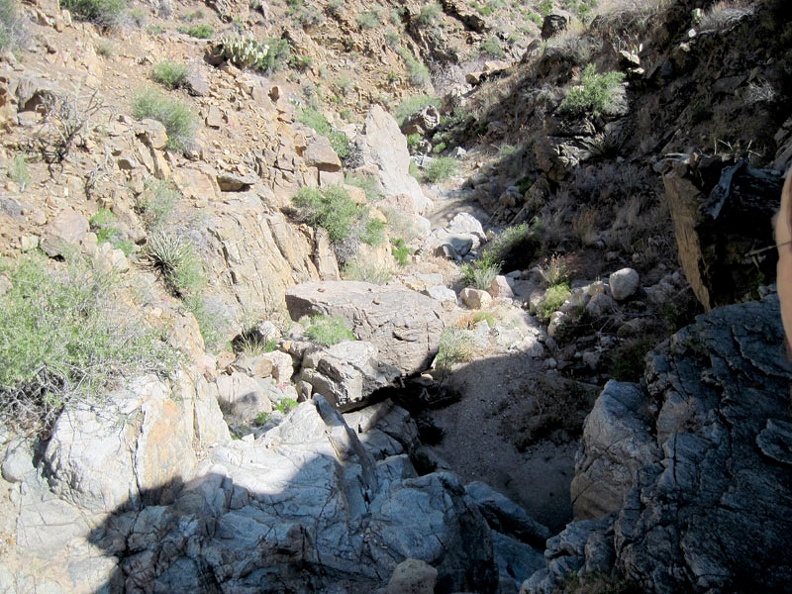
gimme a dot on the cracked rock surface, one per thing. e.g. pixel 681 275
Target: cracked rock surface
pixel 699 491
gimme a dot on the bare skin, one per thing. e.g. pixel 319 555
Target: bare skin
pixel 783 237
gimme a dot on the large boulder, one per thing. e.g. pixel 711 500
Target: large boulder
pixel 721 216
pixel 305 508
pixel 696 459
pixel 346 373
pixel 383 145
pixel 404 325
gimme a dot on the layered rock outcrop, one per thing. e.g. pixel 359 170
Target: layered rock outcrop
pixel 692 465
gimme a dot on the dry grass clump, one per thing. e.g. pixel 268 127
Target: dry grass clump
pixel 723 15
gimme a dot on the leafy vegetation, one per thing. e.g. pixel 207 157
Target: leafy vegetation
pixel 103 224
pixel 64 338
pixel 513 247
pixel 19 172
pixel 369 19
pixel 202 31
pixel 331 208
pixel 174 257
pixel 327 331
pixel 177 118
pixel 104 13
pixel 440 169
pixel 491 47
pixel 171 75
pixel 368 183
pixel 315 120
pixel 480 273
pixel 156 203
pixel 594 95
pixel 413 104
pixel 419 73
pixel 9 24
pixel 456 346
pixel 269 55
pixel 428 14
pixel 400 251
pixel 553 300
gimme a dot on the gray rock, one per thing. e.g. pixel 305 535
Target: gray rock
pixel 623 283
pixel 383 145
pixel 441 293
pixel 304 508
pixel 698 455
pixel 404 325
pixel 505 516
pixel 413 576
pixel 18 461
pixel 347 373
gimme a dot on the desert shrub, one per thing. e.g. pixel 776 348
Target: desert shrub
pixel 369 19
pixel 9 24
pixel 327 331
pixel 104 13
pixel 155 204
pixel 413 142
pixel 368 183
pixel 373 233
pixel 286 405
pixel 556 271
pixel 400 251
pixel 104 48
pixel 545 7
pixel 19 172
pixel 202 31
pixel 440 169
pixel 553 300
pixel 513 247
pixel 722 16
pixel 376 273
pixel 315 120
pixel 594 95
pixel 414 104
pixel 456 346
pixel 583 9
pixel 480 273
pixel 335 8
pixel 174 257
pixel 419 73
pixel 491 47
pixel 174 115
pixel 103 224
pixel 64 338
pixel 439 148
pixel 65 116
pixel 331 208
pixel 428 14
pixel 170 75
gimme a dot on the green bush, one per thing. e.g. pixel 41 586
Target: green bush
pixel 440 169
pixel 170 75
pixel 104 13
pixel 175 258
pixel 9 24
pixel 456 346
pixel 553 300
pixel 375 273
pixel 269 55
pixel 286 405
pixel 419 73
pixel 428 14
pixel 175 116
pixel 491 47
pixel 315 120
pixel 19 172
pixel 583 9
pixel 328 331
pixel 155 204
pixel 480 273
pixel 369 19
pixel 594 95
pixel 331 208
pixel 400 251
pixel 202 31
pixel 65 337
pixel 374 233
pixel 414 104
pixel 369 184
pixel 102 223
pixel 514 247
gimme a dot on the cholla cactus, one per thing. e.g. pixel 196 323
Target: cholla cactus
pixel 244 52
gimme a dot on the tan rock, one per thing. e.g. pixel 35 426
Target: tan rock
pixel 63 232
pixel 475 298
pixel 320 154
pixel 412 576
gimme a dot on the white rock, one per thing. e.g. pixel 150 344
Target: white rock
pixel 623 283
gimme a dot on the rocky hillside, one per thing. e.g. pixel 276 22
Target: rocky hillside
pixel 343 297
